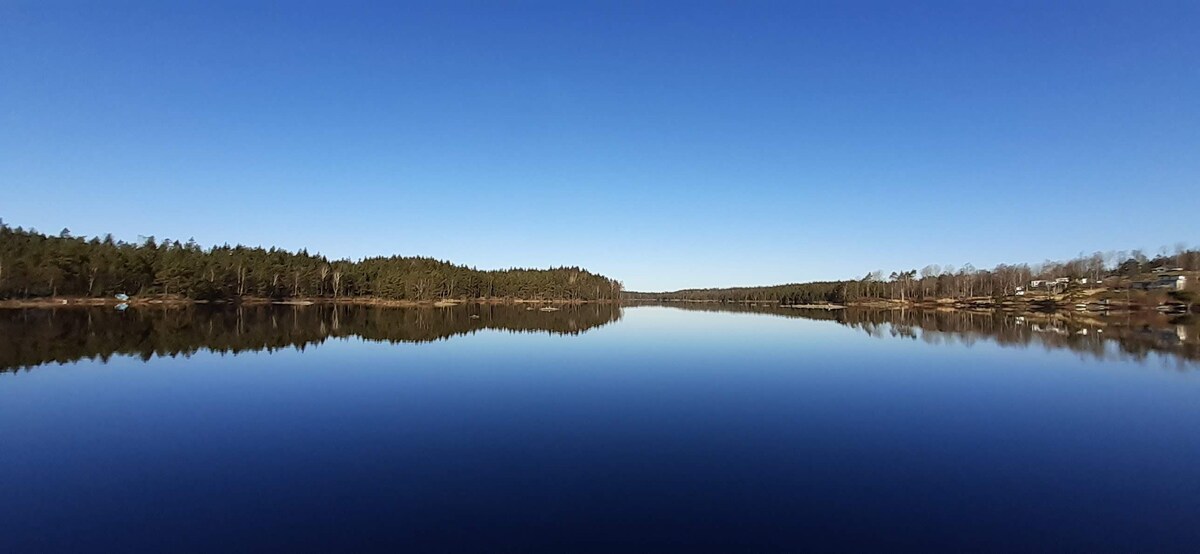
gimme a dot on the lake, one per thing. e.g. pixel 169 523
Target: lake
pixel 596 427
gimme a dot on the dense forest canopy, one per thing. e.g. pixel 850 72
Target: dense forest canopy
pixel 36 265
pixel 943 282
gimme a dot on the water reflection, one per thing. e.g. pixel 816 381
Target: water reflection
pixel 1136 335
pixel 33 337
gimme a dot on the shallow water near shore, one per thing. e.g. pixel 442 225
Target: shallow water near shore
pixel 595 427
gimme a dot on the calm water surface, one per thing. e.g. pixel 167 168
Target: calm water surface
pixel 595 428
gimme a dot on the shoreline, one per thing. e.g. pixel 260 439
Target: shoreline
pixel 979 304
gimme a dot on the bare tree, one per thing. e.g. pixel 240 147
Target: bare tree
pixel 92 269
pixel 323 273
pixel 420 287
pixel 241 279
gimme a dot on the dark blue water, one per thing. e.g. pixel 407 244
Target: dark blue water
pixel 666 430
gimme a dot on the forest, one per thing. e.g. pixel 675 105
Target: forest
pixel 35 265
pixel 934 282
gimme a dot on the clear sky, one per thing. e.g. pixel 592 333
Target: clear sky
pixel 668 144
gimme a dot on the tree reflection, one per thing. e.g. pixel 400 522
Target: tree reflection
pixel 1133 335
pixel 33 337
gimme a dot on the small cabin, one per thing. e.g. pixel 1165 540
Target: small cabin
pixel 1171 282
pixel 1163 282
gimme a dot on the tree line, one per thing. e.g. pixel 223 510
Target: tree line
pixel 933 281
pixel 35 265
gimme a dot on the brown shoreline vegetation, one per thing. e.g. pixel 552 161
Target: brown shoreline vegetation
pixel 1133 279
pixel 1132 289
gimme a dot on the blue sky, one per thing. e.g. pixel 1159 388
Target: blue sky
pixel 667 144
